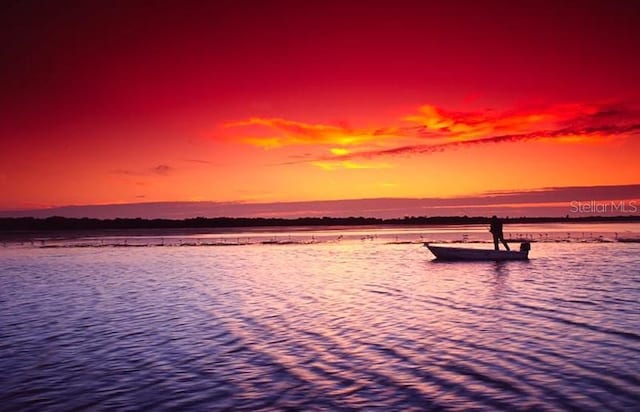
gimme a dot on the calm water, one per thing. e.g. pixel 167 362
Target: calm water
pixel 326 326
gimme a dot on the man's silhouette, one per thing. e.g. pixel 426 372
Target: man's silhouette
pixel 496 231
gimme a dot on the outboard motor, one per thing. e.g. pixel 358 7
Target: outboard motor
pixel 525 247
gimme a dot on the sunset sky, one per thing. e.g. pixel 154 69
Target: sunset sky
pixel 245 102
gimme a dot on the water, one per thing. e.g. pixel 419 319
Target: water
pixel 354 324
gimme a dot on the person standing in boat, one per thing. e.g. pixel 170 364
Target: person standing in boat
pixel 496 231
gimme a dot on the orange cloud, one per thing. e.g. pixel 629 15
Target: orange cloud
pixel 455 126
pixel 561 135
pixel 339 151
pixel 299 133
pixel 348 164
pixel 444 130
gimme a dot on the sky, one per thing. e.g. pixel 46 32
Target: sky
pixel 300 104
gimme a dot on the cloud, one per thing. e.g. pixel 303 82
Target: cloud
pixel 348 164
pixel 528 202
pixel 455 126
pixel 339 151
pixel 162 170
pixel 562 135
pixel 290 133
pixel 126 172
pixel 434 129
pixel 200 161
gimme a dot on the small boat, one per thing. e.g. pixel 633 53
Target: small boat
pixel 464 253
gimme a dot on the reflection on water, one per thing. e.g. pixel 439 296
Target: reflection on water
pixel 331 326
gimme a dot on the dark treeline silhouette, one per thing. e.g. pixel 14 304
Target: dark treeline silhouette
pixel 63 223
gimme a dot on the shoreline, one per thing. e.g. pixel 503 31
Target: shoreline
pixel 75 233
pixel 57 223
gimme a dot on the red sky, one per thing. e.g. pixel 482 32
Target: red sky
pixel 288 101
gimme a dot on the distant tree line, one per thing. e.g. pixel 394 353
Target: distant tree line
pixel 64 223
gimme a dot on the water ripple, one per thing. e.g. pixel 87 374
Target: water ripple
pixel 327 326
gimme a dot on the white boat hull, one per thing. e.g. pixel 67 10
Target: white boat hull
pixel 461 253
